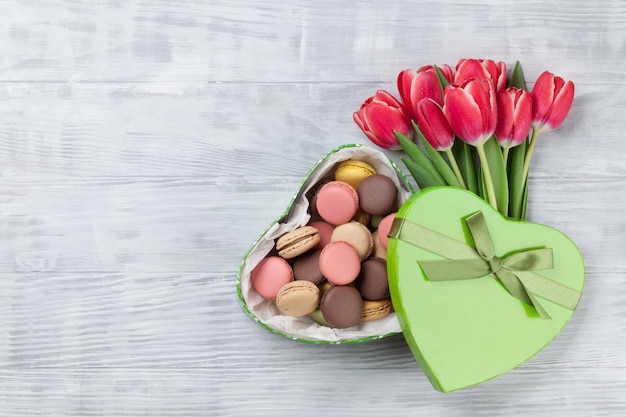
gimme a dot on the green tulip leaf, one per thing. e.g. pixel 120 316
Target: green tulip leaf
pixel 421 176
pixel 518 186
pixel 438 161
pixel 517 77
pixel 525 202
pixel 495 160
pixel 443 82
pixel 516 180
pixel 419 157
pixel 482 187
pixel 465 158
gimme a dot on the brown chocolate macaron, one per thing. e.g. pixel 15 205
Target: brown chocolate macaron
pixel 342 306
pixel 311 195
pixel 377 195
pixel 372 281
pixel 307 267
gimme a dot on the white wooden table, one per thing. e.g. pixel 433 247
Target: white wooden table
pixel 144 145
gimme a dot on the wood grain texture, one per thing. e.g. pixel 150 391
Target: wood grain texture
pixel 144 145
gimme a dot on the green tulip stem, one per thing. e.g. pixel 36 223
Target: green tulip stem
pixel 529 154
pixel 491 192
pixel 505 156
pixel 455 167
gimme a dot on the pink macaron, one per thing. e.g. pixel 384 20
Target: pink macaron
pixel 340 263
pixel 384 228
pixel 337 202
pixel 270 275
pixel 325 231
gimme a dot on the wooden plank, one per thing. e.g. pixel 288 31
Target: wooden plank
pixel 262 41
pixel 243 130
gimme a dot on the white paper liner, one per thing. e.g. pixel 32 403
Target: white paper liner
pixel 305 328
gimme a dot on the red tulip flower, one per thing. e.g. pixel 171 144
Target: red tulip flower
pixel 552 100
pixel 380 116
pixel 434 125
pixel 417 85
pixel 514 116
pixel 471 109
pixel 481 69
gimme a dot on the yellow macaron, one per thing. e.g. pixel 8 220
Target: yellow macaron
pixel 353 172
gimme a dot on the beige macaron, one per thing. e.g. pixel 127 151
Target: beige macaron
pixel 356 235
pixel 379 250
pixel 298 241
pixel 298 298
pixel 374 310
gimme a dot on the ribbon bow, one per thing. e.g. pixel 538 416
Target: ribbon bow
pixel 514 271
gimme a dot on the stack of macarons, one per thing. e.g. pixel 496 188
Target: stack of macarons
pixel 334 268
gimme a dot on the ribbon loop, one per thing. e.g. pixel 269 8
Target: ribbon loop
pixel 513 270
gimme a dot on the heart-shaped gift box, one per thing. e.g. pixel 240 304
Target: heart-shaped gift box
pixel 305 329
pixel 458 273
pixel 462 330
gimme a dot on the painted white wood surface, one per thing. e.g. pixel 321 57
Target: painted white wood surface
pixel 145 144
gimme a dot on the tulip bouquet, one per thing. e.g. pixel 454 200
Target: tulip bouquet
pixel 476 127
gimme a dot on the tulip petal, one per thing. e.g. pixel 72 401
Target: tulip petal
pixel 522 118
pixel 463 114
pixel 434 125
pixel 504 128
pixel 543 95
pixel 561 106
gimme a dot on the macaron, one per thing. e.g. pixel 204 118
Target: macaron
pixel 318 317
pixel 372 281
pixel 379 250
pixel 342 306
pixel 353 172
pixel 307 267
pixel 340 263
pixel 374 310
pixel 325 230
pixel 362 217
pixel 311 195
pixel 337 202
pixel 377 195
pixel 324 286
pixel 270 275
pixel 298 298
pixel 355 234
pixel 298 241
pixel 384 228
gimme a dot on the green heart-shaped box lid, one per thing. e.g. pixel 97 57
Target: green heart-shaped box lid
pixel 464 332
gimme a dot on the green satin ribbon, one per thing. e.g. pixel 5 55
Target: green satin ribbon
pixel 462 261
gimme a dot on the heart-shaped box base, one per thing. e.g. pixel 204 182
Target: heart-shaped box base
pixel 464 332
pixel 297 214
